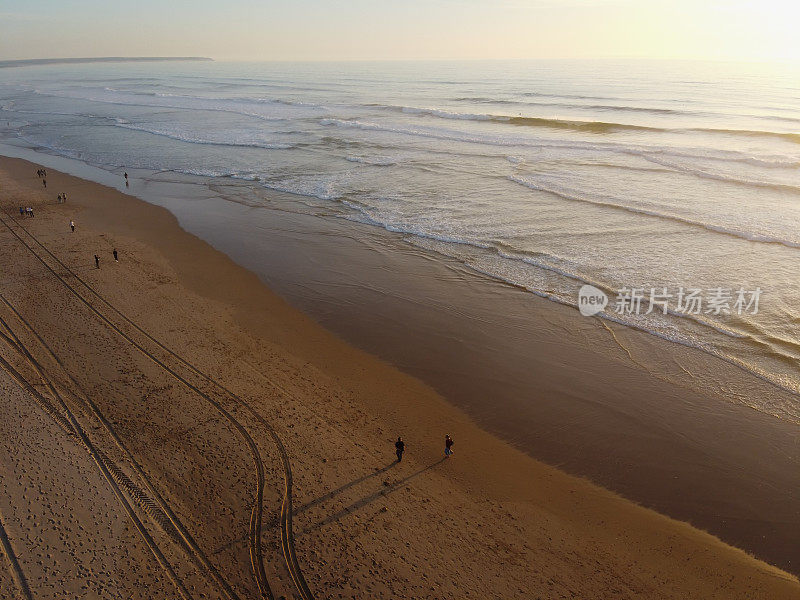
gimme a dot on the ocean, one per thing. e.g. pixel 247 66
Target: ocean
pixel 673 188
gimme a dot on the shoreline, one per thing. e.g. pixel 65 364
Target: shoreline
pixel 217 278
pixel 639 415
pixel 652 420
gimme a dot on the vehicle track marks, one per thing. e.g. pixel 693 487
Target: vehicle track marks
pixel 286 512
pixel 23 591
pixel 286 515
pixel 154 504
pixel 73 429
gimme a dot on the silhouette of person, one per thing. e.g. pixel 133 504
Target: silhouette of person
pixel 399 448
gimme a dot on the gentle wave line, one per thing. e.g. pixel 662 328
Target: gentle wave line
pixel 615 203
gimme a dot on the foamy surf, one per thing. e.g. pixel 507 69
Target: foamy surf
pixel 538 179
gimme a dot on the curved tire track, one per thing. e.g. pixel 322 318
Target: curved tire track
pixel 286 514
pixel 153 504
pixel 74 430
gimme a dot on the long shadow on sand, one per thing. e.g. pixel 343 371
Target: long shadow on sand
pixel 346 486
pixel 273 520
pixel 384 491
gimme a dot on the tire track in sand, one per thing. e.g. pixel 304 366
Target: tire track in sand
pixel 23 591
pixel 76 431
pixel 154 504
pixel 287 537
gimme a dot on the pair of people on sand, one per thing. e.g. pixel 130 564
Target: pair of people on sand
pixel 400 447
pixel 97 258
pixel 62 198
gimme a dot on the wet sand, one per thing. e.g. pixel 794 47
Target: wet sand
pixel 665 425
pixel 491 521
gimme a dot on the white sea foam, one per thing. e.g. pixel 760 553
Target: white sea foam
pixel 727 177
pixel 257 108
pixel 439 162
pixel 616 203
pixel 184 137
pixel 378 161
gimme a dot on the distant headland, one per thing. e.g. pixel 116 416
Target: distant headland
pixel 100 59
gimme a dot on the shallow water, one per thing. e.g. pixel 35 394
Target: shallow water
pixel 547 175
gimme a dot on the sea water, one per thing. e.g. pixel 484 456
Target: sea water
pixel 649 180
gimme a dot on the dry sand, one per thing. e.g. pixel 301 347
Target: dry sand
pixel 106 432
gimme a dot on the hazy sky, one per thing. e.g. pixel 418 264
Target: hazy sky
pixel 402 29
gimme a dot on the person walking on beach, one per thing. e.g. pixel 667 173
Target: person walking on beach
pixel 399 448
pixel 96 261
pixel 72 226
pixel 59 198
pixel 115 255
pixel 448 446
pixel 44 182
pixel 21 212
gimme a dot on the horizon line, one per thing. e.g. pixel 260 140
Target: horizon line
pixel 22 62
pixel 92 59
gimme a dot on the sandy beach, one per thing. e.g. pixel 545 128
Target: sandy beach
pixel 174 429
pixel 668 426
